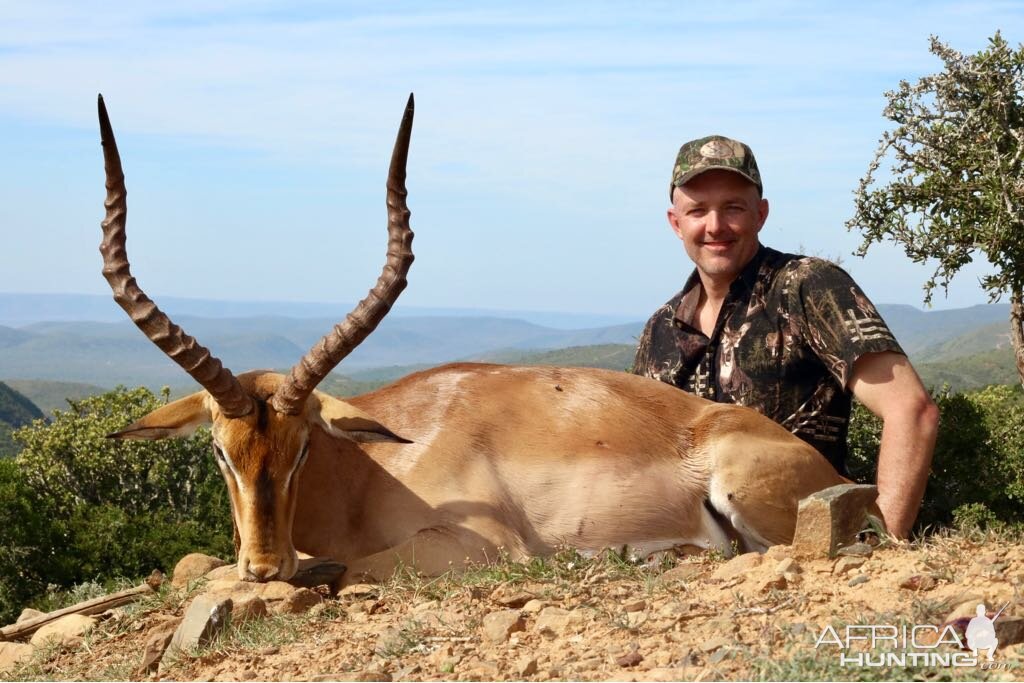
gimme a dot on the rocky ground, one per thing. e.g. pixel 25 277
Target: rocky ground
pixel 567 618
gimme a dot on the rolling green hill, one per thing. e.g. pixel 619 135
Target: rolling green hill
pixel 15 411
pixel 51 395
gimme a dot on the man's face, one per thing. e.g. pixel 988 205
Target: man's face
pixel 718 215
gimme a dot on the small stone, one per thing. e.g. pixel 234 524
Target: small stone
pixel 966 608
pixel 360 591
pixel 553 621
pixel 533 606
pixel 192 567
pixel 918 582
pixel 298 602
pixel 718 655
pixel 65 632
pixel 14 654
pixel 631 658
pixel 856 550
pixel 778 552
pixel 712 644
pixel 509 598
pixel 229 586
pixel 635 606
pixel 247 607
pixel 831 518
pixel 157 641
pixel 204 619
pixel 526 666
pixel 498 626
pixel 858 580
pixel 776 582
pixel 737 566
pixel 793 579
pixel 788 566
pixel 686 572
pixel 844 565
pixel 29 613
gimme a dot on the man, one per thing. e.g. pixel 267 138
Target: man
pixel 790 336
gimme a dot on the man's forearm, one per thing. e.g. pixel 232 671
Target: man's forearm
pixel 904 460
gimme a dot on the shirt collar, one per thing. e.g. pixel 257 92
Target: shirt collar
pixel 687 308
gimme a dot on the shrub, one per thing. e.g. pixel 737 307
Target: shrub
pixel 977 474
pixel 103 508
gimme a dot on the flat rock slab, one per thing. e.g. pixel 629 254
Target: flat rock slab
pixel 832 518
pixel 206 617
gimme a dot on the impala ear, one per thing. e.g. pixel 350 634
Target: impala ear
pixel 177 418
pixel 338 418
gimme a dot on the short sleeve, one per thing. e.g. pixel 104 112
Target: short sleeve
pixel 838 320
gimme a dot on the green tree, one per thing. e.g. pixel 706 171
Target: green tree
pixel 956 166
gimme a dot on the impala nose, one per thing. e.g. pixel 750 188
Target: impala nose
pixel 261 571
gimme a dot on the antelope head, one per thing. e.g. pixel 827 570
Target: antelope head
pixel 261 421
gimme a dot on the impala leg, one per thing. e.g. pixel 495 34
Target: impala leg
pixel 430 552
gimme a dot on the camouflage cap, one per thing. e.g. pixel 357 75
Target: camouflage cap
pixel 711 152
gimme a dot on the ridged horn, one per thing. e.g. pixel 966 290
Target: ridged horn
pixel 184 350
pixel 332 348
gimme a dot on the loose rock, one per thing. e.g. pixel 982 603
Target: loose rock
pixel 192 567
pixel 13 654
pixel 737 566
pixel 856 550
pixel 206 617
pixel 498 626
pixel 858 580
pixel 829 519
pixel 555 621
pixel 526 666
pixel 157 642
pixel 686 572
pixel 66 631
pixel 298 601
pixel 918 582
pixel 788 566
pixel 29 613
pixel 247 606
pixel 846 564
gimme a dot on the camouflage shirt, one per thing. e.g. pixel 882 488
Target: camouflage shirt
pixel 784 344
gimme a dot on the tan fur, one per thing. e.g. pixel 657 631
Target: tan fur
pixel 519 460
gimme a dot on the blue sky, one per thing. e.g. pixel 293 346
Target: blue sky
pixel 256 135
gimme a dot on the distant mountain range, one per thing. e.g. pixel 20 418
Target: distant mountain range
pixel 107 353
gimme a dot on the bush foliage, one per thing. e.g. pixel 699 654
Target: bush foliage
pixel 76 506
pixel 977 473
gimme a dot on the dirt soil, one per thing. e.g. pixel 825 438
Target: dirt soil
pixel 567 618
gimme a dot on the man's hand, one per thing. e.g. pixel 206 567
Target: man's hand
pixel 887 384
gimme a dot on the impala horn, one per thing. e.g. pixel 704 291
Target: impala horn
pixel 154 323
pixel 291 395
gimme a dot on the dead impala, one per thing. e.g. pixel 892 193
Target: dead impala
pixel 461 462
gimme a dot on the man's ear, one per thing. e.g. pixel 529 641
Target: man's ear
pixel 178 418
pixel 338 418
pixel 762 210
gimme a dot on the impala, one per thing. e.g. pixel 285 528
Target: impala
pixel 463 462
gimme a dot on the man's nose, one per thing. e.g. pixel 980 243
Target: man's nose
pixel 713 222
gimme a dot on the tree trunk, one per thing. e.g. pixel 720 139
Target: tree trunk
pixel 1017 331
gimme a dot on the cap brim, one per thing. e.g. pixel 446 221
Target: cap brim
pixel 693 173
